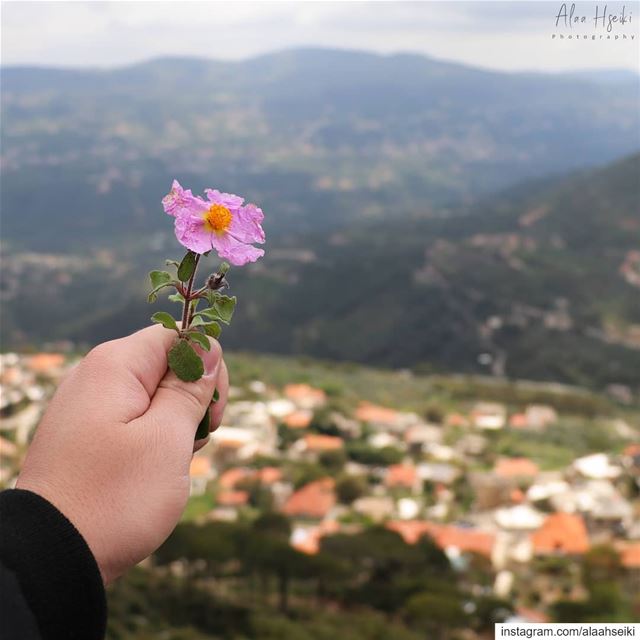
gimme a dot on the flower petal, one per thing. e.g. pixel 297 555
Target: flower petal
pixel 246 224
pixel 229 200
pixel 236 252
pixel 179 199
pixel 191 233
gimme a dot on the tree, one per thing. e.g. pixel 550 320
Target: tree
pixel 350 488
pixel 435 613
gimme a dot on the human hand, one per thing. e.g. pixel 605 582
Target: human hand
pixel 113 449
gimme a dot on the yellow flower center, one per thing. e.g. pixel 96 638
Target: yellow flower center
pixel 217 218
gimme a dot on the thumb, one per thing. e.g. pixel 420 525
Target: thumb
pixel 183 404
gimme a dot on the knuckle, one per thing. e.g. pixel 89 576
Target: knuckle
pixel 193 394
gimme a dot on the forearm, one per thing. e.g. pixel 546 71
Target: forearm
pixel 45 558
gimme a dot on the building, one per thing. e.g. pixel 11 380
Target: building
pixel 489 415
pixel 313 501
pixel 305 396
pixel 200 474
pixel 561 534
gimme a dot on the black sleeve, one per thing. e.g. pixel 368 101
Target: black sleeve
pixel 50 585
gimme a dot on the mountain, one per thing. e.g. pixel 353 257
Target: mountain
pixel 319 137
pixel 541 281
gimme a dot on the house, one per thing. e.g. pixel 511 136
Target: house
pixel 376 416
pixel 313 501
pixel 233 445
pixel 305 396
pixel 596 467
pixel 346 426
pixel 232 498
pixel 299 419
pixel 421 435
pixel 200 473
pixel 540 416
pixel 450 538
pixel 403 476
pixel 307 539
pixel 521 517
pixel 489 415
pixel 516 469
pixel 607 512
pixel 377 508
pixel 408 508
pixel 313 444
pixel 381 440
pixel 232 477
pixel 561 533
pixel 280 408
pixel 490 490
pixel 518 421
pixel 438 472
pixel 456 420
pixel 471 444
pixel 269 475
pixel 49 364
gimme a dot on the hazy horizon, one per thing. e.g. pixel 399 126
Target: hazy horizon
pixel 195 57
pixel 515 36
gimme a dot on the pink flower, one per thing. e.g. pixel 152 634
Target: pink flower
pixel 221 222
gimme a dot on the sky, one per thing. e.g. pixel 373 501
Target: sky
pixel 511 35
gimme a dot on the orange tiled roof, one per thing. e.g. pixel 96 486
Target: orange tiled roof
pixel 232 498
pixel 298 419
pixel 311 544
pixel 231 477
pixel 269 475
pixel 401 475
pixel 630 555
pixel 7 448
pixel 532 615
pixel 200 467
pixel 317 442
pixel 367 412
pixel 632 450
pixel 518 421
pixel 445 536
pixel 314 500
pixel 457 420
pixel 44 362
pixel 297 392
pixel 561 532
pixel 516 468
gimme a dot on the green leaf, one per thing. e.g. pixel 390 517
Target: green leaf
pixel 159 278
pixel 185 362
pixel 201 339
pixel 197 321
pixel 176 297
pixel 210 312
pixel 225 306
pixel 187 266
pixel 165 319
pixel 212 296
pixel 203 427
pixel 212 329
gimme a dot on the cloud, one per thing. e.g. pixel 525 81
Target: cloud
pixel 500 35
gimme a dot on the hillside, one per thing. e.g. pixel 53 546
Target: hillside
pixel 541 282
pixel 319 137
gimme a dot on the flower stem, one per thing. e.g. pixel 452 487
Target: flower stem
pixel 186 310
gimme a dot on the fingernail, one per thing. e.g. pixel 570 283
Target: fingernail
pixel 212 359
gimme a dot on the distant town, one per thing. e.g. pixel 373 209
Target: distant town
pixel 332 468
